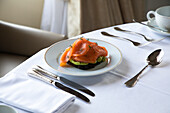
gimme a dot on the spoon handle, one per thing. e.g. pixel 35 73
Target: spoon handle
pixel 132 82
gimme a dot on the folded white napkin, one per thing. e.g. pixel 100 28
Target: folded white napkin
pixel 24 92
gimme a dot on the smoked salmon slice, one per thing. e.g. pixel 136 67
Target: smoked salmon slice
pixel 82 50
pixel 80 47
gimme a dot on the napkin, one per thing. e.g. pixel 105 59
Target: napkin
pixel 21 91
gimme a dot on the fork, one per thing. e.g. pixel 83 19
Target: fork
pixel 133 32
pixel 133 42
pixel 150 26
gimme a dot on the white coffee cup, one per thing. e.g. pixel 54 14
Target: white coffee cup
pixel 162 17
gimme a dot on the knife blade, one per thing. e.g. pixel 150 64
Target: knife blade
pixel 36 74
pixel 64 80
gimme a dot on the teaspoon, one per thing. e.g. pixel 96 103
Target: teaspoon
pixel 132 32
pixel 153 59
pixel 133 42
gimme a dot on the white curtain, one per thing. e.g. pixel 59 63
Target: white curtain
pixel 54 16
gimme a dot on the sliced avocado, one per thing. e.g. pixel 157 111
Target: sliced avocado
pixel 104 59
pixel 99 59
pixel 78 63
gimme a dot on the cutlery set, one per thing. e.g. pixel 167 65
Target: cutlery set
pixel 138 44
pixel 118 37
pixel 57 81
pixel 153 59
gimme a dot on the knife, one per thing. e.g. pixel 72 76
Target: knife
pixel 38 75
pixel 64 80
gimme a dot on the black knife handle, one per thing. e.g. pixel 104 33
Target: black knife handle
pixel 77 86
pixel 69 90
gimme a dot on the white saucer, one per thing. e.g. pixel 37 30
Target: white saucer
pixel 153 23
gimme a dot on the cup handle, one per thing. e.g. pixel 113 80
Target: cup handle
pixel 149 13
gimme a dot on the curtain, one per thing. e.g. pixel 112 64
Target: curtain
pixel 54 16
pixel 88 15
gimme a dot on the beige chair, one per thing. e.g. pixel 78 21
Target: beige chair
pixel 17 43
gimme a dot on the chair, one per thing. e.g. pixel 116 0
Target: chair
pixel 17 43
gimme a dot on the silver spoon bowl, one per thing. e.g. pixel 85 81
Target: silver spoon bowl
pixel 153 59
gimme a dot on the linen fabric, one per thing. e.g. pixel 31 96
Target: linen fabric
pixel 21 91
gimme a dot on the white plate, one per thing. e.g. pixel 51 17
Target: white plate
pixel 52 58
pixel 153 23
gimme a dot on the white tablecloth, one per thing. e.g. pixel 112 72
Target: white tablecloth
pixel 150 95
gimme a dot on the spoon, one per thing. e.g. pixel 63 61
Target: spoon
pixel 132 32
pixel 153 59
pixel 133 42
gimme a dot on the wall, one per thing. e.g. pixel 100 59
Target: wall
pixel 28 12
pixel 24 12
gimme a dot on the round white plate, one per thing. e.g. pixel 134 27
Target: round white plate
pixel 153 23
pixel 52 58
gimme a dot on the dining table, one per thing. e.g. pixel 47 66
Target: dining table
pixel 151 94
